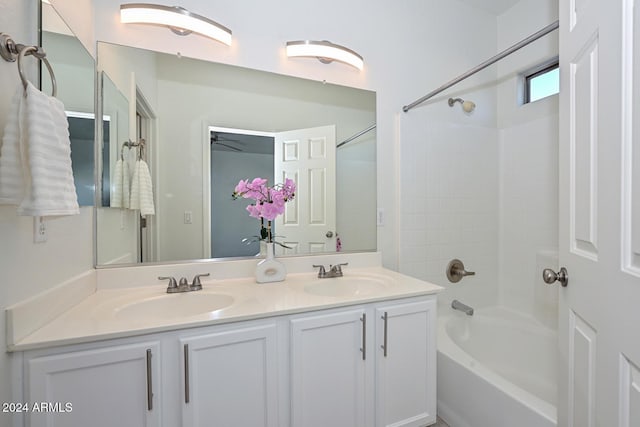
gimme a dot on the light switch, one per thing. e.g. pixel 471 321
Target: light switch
pixel 188 217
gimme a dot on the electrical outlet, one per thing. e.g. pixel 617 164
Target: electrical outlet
pixel 188 217
pixel 39 230
pixel 380 217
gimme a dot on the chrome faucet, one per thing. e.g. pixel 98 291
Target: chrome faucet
pixel 457 305
pixel 334 271
pixel 183 286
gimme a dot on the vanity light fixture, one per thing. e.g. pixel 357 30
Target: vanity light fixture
pixel 177 19
pixel 326 52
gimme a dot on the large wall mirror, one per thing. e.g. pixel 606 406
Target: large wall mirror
pixel 205 126
pixel 74 70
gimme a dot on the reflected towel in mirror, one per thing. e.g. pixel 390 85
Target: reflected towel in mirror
pixel 142 189
pixel 120 187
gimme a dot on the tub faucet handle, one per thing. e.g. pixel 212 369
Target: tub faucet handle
pixel 456 271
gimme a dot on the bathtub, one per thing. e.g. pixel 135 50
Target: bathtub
pixel 496 368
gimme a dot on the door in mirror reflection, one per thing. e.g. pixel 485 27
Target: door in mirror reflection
pixel 308 157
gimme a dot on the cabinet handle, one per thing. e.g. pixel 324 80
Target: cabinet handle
pixel 363 319
pixel 384 339
pixel 149 382
pixel 186 373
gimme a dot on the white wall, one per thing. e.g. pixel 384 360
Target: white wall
pixel 28 268
pixel 356 183
pixel 482 187
pixel 75 71
pixel 528 138
pixel 449 173
pixel 79 16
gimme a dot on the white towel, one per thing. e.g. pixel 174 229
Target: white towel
pixel 141 189
pixel 11 171
pixel 120 185
pixel 47 186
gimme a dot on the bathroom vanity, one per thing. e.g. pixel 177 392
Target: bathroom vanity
pixel 357 350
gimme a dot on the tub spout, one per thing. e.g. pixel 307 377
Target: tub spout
pixel 457 305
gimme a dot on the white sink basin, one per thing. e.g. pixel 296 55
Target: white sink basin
pixel 171 306
pixel 345 286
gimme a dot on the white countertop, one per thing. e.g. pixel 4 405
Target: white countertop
pixel 101 316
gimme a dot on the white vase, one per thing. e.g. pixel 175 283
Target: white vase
pixel 270 269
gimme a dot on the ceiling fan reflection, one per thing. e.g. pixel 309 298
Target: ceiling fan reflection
pixel 217 139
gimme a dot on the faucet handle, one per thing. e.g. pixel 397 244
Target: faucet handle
pixel 322 272
pixel 338 267
pixel 196 285
pixel 173 285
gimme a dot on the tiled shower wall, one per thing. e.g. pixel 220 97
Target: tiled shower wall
pixel 482 187
pixel 449 204
pixel 528 212
pixel 486 196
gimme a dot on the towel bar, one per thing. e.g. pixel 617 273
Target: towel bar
pixel 10 51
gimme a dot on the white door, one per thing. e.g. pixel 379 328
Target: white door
pixel 308 157
pixel 599 324
pixel 328 362
pixel 230 378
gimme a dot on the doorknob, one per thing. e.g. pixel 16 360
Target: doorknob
pixel 549 276
pixel 329 234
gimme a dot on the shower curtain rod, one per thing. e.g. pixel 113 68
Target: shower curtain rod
pixel 357 135
pixel 533 37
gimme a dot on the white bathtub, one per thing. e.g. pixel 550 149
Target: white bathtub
pixel 495 369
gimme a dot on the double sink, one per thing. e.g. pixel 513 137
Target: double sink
pixel 222 295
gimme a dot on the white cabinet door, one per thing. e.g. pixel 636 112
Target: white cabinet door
pixel 230 378
pixel 105 387
pixel 328 370
pixel 406 364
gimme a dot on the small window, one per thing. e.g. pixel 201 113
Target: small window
pixel 542 83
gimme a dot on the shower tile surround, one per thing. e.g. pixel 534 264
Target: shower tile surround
pixel 485 196
pixel 451 175
pixel 482 187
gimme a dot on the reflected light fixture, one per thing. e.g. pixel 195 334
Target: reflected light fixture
pixel 177 19
pixel 326 52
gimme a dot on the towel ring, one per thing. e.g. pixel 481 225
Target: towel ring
pixel 38 53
